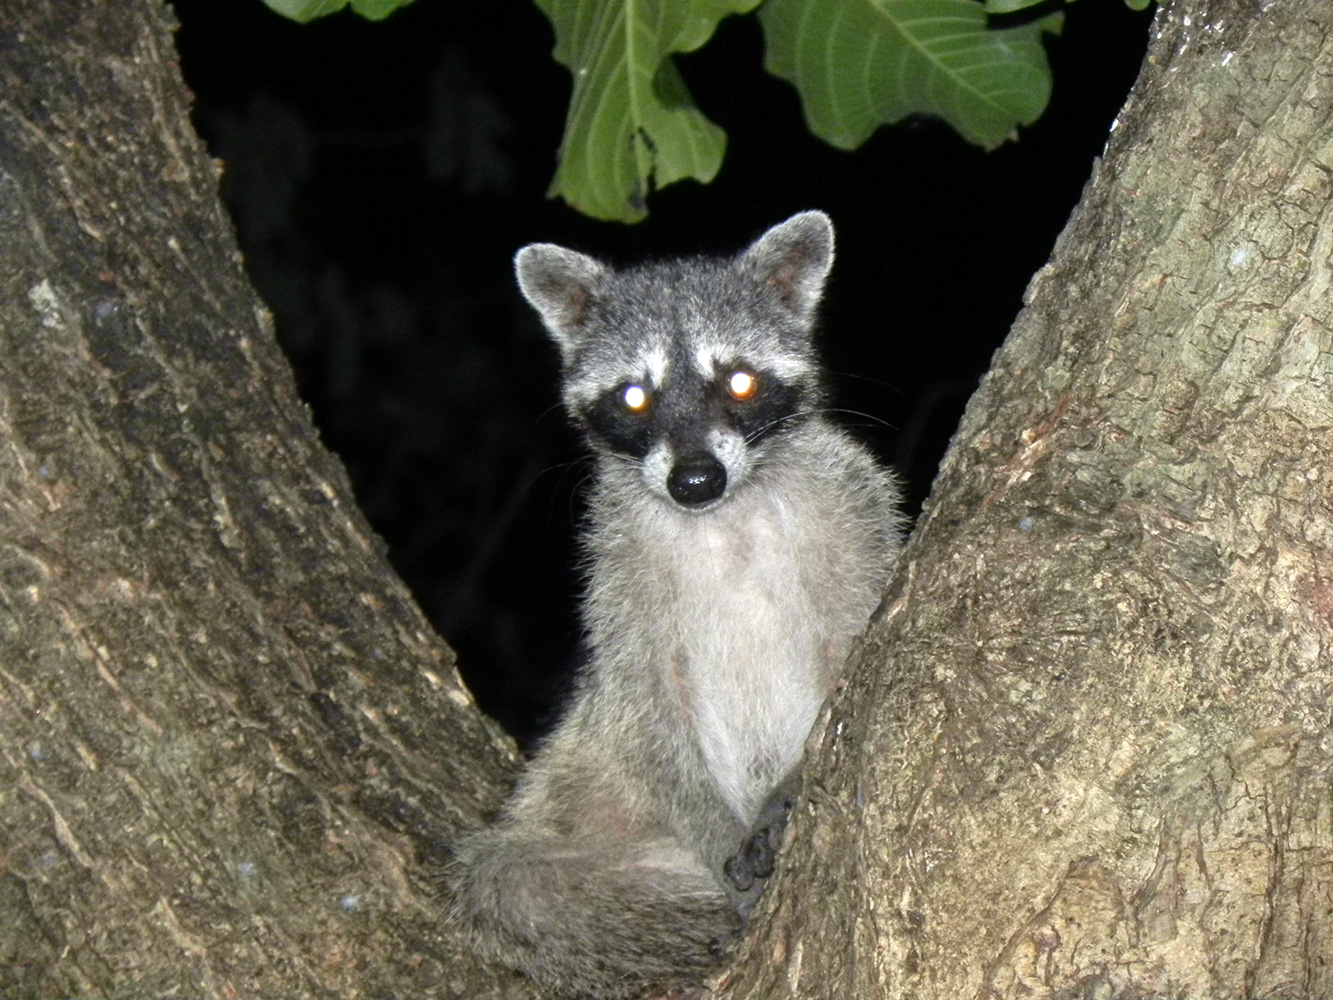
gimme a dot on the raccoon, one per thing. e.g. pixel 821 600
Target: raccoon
pixel 737 543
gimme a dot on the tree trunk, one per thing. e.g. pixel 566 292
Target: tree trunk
pixel 1086 748
pixel 230 739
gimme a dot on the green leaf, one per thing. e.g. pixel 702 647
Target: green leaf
pixel 377 10
pixel 1009 6
pixel 859 64
pixel 308 10
pixel 632 126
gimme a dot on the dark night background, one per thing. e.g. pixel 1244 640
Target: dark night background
pixel 382 175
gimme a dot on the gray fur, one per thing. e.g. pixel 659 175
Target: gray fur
pixel 716 629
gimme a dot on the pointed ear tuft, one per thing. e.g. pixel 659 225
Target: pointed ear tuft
pixel 561 285
pixel 793 260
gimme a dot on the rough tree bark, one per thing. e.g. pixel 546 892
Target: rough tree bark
pixel 1086 748
pixel 228 738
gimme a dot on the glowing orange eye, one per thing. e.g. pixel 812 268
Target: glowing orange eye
pixel 742 385
pixel 636 400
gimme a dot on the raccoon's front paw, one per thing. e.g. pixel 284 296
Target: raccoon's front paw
pixel 759 850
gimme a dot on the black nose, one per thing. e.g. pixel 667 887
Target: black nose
pixel 696 479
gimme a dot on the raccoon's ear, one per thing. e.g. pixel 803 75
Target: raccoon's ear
pixel 561 285
pixel 793 259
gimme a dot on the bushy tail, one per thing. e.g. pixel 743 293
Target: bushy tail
pixel 595 918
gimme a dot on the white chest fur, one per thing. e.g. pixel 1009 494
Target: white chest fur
pixel 752 648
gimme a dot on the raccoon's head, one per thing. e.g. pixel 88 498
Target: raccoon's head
pixel 693 367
